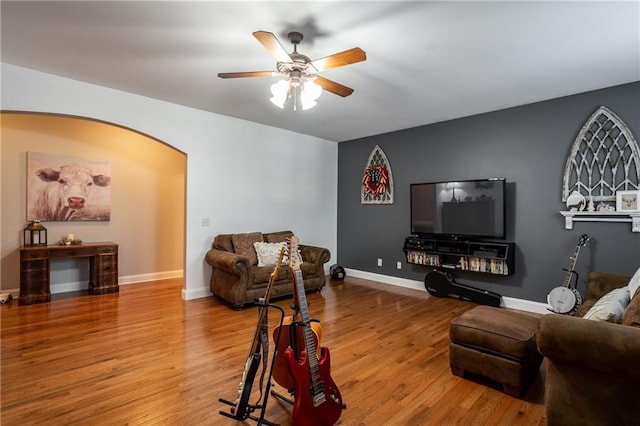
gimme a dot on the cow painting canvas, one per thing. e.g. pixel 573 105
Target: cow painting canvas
pixel 63 188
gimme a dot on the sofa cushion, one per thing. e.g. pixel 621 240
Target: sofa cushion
pixel 610 306
pixel 278 237
pixel 243 245
pixel 631 315
pixel 223 242
pixel 268 253
pixel 634 283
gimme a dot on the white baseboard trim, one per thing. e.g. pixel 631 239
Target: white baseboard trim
pixel 154 276
pixel 198 293
pixel 129 279
pixel 195 293
pixel 507 302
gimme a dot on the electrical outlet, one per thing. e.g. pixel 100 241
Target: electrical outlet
pixel 379 262
pixel 205 221
pixel 399 265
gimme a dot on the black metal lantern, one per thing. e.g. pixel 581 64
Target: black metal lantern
pixel 35 234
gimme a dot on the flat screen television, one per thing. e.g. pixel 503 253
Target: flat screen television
pixel 469 209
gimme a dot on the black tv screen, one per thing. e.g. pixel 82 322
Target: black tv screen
pixel 459 209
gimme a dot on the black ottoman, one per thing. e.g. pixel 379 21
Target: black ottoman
pixel 498 344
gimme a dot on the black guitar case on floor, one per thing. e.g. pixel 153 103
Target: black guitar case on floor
pixel 441 284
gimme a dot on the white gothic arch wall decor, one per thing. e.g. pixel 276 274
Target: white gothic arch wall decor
pixel 604 159
pixel 377 182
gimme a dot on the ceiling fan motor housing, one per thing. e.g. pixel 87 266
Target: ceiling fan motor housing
pixel 295 37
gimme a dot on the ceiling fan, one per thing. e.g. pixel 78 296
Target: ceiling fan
pixel 298 71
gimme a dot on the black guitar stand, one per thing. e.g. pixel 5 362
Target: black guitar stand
pixel 574 275
pixel 262 405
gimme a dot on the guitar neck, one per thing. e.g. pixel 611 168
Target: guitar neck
pixel 306 318
pixel 255 345
pixel 572 265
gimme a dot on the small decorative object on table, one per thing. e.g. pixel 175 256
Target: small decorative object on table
pixel 70 240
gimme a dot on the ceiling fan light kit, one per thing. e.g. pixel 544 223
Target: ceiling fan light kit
pixel 295 84
pixel 300 74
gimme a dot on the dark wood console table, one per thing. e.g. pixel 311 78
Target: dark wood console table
pixel 35 269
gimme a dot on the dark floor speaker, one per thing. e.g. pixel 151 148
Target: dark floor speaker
pixel 337 272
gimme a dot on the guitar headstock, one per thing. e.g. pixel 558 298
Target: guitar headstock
pixel 283 251
pixel 294 253
pixel 583 240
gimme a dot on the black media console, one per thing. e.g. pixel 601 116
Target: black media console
pixel 487 257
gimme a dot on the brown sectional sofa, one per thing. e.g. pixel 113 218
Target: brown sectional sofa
pixel 593 367
pixel 237 278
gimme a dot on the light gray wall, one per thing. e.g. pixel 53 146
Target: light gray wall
pixel 243 176
pixel 529 146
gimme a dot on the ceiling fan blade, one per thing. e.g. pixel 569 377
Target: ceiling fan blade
pixel 341 59
pixel 273 46
pixel 333 87
pixel 246 74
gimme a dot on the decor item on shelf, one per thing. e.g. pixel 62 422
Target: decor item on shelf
pixel 575 202
pixel 300 74
pixel 628 201
pixel 605 208
pixel 591 205
pixel 35 234
pixel 377 182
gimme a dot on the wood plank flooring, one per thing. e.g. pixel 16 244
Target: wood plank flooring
pixel 144 357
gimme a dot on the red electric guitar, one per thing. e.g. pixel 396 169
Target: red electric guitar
pixel 317 399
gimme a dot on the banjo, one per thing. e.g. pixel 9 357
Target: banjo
pixel 566 299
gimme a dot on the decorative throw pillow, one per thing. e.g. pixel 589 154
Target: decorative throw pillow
pixel 267 253
pixel 610 306
pixel 243 245
pixel 634 283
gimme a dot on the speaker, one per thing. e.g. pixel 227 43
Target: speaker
pixel 337 272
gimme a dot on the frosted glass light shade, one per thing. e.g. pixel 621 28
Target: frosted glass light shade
pixel 310 92
pixel 280 92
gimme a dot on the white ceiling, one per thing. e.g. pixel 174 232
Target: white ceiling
pixel 426 61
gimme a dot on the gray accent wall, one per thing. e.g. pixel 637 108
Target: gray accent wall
pixel 527 145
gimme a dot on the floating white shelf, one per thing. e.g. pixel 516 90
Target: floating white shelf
pixel 574 216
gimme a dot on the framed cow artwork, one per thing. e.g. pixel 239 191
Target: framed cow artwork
pixel 64 188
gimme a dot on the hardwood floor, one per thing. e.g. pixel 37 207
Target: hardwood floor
pixel 144 356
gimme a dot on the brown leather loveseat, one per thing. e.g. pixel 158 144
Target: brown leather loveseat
pixel 593 367
pixel 238 277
